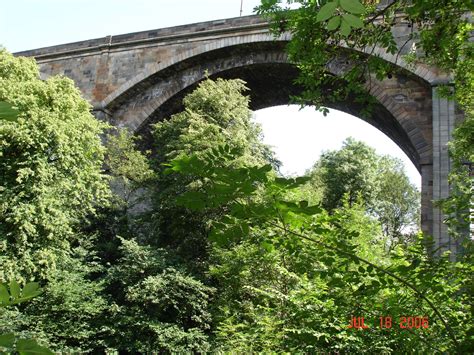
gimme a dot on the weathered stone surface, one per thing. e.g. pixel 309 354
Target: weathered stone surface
pixel 136 79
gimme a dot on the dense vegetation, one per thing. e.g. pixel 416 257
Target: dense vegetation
pixel 200 246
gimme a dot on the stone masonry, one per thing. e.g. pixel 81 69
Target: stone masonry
pixel 135 79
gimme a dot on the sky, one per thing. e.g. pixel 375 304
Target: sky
pixel 298 137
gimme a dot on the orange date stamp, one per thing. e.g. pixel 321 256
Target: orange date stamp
pixel 386 322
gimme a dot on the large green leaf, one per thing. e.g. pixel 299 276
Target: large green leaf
pixel 345 28
pixel 334 23
pixel 352 6
pixel 326 11
pixel 15 289
pixel 353 21
pixel 193 200
pixel 30 346
pixel 31 289
pixel 4 295
pixel 13 294
pixel 7 112
pixel 7 340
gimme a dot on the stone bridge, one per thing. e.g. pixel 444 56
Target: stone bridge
pixel 135 79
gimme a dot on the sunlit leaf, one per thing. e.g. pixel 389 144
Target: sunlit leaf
pixel 352 6
pixel 326 11
pixel 15 289
pixel 193 200
pixel 267 246
pixel 31 289
pixel 4 295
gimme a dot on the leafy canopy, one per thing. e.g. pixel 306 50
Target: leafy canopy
pixel 50 168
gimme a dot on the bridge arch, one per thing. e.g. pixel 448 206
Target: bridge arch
pixel 270 77
pixel 403 111
pixel 135 79
pixel 430 74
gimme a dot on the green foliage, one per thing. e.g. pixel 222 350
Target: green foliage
pixel 351 170
pixel 229 257
pixel 442 37
pixel 10 343
pixel 397 203
pixel 334 12
pixel 69 312
pixel 290 276
pixel 216 113
pixel 50 167
pixel 157 305
pixel 125 161
pixel 356 172
pixel 51 182
pixel 131 176
pixel 13 294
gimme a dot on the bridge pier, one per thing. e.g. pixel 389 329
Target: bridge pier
pixel 444 117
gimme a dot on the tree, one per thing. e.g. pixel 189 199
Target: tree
pixel 51 174
pixel 156 280
pixel 397 202
pixel 215 113
pixel 12 294
pixel 319 27
pixel 356 173
pixel 51 182
pixel 352 170
pixel 156 305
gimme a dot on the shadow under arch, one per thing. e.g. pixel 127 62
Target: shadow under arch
pixel 273 84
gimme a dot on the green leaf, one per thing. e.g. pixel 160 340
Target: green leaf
pixel 30 346
pixel 334 23
pixel 352 6
pixel 4 295
pixel 311 210
pixel 31 289
pixel 375 283
pixel 300 180
pixel 267 246
pixel 7 340
pixel 14 289
pixel 7 112
pixel 353 21
pixel 193 200
pixel 266 168
pixel 345 28
pixel 326 11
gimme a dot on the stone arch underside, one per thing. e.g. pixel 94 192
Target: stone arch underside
pixel 403 111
